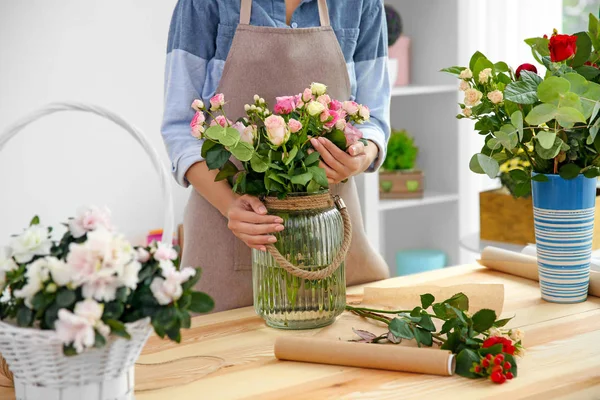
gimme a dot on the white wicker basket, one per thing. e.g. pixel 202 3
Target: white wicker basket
pixel 35 357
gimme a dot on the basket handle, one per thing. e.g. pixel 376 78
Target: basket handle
pixel 12 130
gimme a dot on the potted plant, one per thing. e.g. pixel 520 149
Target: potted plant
pixel 554 121
pixel 398 178
pixel 398 49
pixel 299 282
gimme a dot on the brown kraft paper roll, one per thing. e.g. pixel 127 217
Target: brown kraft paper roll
pixel 524 266
pixel 379 356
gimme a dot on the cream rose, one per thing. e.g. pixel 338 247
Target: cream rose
pixel 485 75
pixel 277 129
pixel 464 85
pixel 467 112
pixel 315 108
pixel 466 74
pixel 496 96
pixel 318 89
pixel 472 97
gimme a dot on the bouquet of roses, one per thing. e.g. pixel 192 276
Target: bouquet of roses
pixel 92 282
pixel 552 120
pixel 274 148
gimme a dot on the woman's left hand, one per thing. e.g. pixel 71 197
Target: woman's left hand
pixel 340 165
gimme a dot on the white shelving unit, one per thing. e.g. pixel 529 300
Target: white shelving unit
pixel 426 109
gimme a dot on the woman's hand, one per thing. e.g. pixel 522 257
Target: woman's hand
pixel 248 220
pixel 340 165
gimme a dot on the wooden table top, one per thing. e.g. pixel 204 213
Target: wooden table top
pixel 229 355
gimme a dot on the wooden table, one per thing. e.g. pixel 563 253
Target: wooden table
pixel 229 355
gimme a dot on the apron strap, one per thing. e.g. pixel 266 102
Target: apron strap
pixel 246 8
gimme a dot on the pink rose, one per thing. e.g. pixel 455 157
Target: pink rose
pixel 351 107
pixel 340 124
pixel 197 124
pixel 335 105
pixel 198 105
pixel 247 133
pixel 334 118
pixel 89 219
pixel 307 95
pixel 352 134
pixel 285 105
pixel 220 120
pixel 217 101
pixel 294 125
pixel 364 112
pixel 324 99
pixel 277 130
pixel 325 115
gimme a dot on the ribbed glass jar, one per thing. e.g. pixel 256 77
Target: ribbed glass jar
pixel 310 240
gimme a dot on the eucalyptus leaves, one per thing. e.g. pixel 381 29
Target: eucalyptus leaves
pixel 552 120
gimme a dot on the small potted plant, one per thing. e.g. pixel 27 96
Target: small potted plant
pixel 398 178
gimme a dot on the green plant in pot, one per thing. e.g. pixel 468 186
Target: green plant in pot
pixel 398 178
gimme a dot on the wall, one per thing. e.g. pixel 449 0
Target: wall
pixel 110 53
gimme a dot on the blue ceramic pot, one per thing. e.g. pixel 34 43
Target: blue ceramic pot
pixel 563 212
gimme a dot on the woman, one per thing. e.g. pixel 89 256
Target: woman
pixel 274 48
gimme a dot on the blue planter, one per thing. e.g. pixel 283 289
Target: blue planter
pixel 563 213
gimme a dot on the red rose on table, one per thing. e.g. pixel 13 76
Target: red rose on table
pixel 526 67
pixel 507 345
pixel 562 47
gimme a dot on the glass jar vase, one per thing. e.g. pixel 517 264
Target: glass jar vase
pixel 312 240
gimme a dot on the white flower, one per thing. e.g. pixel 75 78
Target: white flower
pixel 467 112
pixel 466 74
pixel 318 89
pixel 472 97
pixel 484 76
pixel 37 273
pixel 6 297
pixel 143 255
pixel 89 219
pixel 516 335
pixel 198 105
pixel 7 264
pixel 74 329
pixel 464 85
pixel 34 241
pixel 101 288
pixel 129 277
pixel 90 310
pixel 61 272
pixel 165 251
pixel 495 332
pixel 364 112
pixel 168 289
pixel 496 96
pixel 315 108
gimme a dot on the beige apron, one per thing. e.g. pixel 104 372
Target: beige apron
pixel 271 62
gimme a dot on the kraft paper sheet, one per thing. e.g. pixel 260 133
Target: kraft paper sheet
pixel 524 266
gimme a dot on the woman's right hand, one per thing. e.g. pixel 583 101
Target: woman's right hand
pixel 248 220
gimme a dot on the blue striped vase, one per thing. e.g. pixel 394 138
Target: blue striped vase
pixel 563 213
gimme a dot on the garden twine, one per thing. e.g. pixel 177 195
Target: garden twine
pixel 309 203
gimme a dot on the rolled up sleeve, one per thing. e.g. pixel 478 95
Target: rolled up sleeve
pixel 372 79
pixel 191 45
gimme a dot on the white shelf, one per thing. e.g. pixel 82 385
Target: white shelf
pixel 413 90
pixel 429 198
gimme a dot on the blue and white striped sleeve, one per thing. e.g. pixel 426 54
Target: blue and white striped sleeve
pixel 372 79
pixel 191 45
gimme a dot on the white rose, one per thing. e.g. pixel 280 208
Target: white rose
pixel 315 108
pixel 89 219
pixel 90 310
pixel 472 97
pixel 466 74
pixel 33 242
pixel 495 332
pixel 318 89
pixel 496 96
pixel 7 264
pixel 467 112
pixel 37 273
pixel 364 112
pixel 484 76
pixel 464 85
pixel 516 335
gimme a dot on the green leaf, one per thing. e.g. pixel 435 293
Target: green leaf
pixel 460 301
pixel 522 189
pixel 551 89
pixel 507 136
pixel 485 164
pixel 118 328
pixel 312 158
pixel 258 163
pixel 242 151
pixel 99 340
pixel 201 303
pixel 65 298
pixel 427 323
pixel 338 138
pixel 313 187
pixel 539 47
pixel 448 325
pixel 540 178
pixel 401 329
pixel 584 49
pixel 493 144
pixel 569 171
pixel 579 84
pixel 513 363
pixel 230 137
pixel 291 155
pixel 516 119
pixel 34 221
pixel 439 309
pixel 476 56
pixel 453 342
pixel 594 130
pixel 594 30
pixel 548 154
pixel 427 300
pixel 228 170
pixel 206 146
pixel 523 91
pixel 423 336
pixel 588 72
pixel 541 114
pixel 502 322
pixel 593 172
pixel 501 67
pixel 302 179
pixel 546 138
pixel 216 157
pixel 595 111
pixel 493 350
pixel 453 70
pixel 567 116
pixel 24 316
pixel 464 363
pixel 319 176
pixel 518 175
pixel 483 320
pixel 481 64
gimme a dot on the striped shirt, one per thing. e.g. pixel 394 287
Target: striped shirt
pixel 200 37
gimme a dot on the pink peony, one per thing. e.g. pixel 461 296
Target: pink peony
pixel 307 95
pixel 335 105
pixel 165 252
pixel 277 130
pixel 351 107
pixel 75 330
pixel 285 105
pixel 220 120
pixel 352 134
pixel 89 219
pixel 294 125
pixel 217 101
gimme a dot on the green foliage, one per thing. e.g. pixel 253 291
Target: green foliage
pixel 401 152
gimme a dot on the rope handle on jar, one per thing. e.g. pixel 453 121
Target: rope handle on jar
pixel 338 259
pixel 12 130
